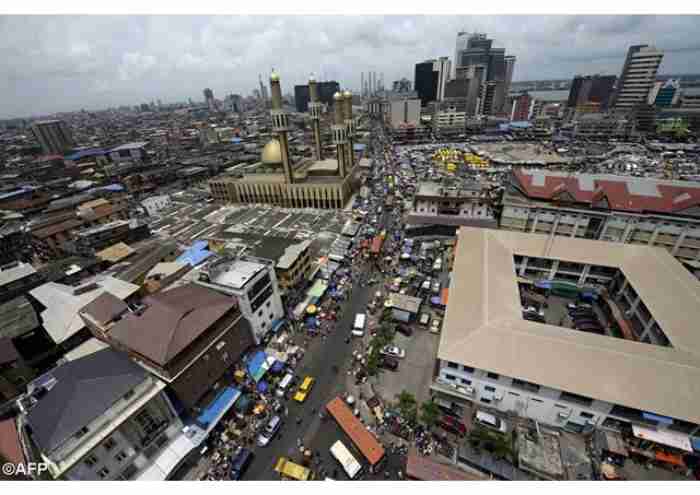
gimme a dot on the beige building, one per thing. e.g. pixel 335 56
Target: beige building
pixel 490 355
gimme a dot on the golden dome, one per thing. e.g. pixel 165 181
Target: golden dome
pixel 347 94
pixel 338 96
pixel 312 78
pixel 274 76
pixel 271 153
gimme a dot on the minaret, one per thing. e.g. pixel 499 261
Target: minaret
pixel 350 127
pixel 315 107
pixel 340 133
pixel 280 125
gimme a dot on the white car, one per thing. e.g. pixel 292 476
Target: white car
pixel 435 325
pixel 393 351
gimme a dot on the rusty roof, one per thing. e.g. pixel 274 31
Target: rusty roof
pixel 172 321
pixel 360 436
pixel 105 308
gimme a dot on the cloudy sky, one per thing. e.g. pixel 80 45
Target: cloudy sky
pixel 63 63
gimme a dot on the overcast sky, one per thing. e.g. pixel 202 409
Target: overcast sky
pixel 62 63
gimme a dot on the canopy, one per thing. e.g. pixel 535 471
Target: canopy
pixel 663 437
pixel 277 367
pixel 277 324
pixel 262 386
pixel 226 398
pixel 656 417
pixel 257 366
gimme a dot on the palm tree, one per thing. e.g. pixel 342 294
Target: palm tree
pixel 429 413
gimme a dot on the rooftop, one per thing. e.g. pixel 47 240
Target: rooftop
pixel 15 272
pixel 129 146
pixel 486 329
pixel 237 273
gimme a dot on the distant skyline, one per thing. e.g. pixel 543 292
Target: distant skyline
pixel 52 64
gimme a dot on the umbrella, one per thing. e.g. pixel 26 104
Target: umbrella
pixel 262 386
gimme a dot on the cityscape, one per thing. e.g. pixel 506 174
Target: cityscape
pixel 468 262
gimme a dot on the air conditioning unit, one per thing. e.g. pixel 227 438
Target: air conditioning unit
pixel 470 390
pixel 564 414
pixel 591 422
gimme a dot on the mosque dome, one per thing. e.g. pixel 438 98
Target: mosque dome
pixel 272 153
pixel 347 94
pixel 338 96
pixel 274 76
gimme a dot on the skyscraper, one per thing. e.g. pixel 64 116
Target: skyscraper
pixel 326 90
pixel 443 67
pixel 637 77
pixel 209 98
pixel 461 44
pixel 510 68
pixel 591 89
pixel 54 136
pixel 425 82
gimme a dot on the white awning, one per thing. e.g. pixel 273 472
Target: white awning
pixel 663 437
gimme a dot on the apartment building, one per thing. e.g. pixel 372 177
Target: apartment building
pixel 101 417
pixel 253 283
pixel 491 357
pixel 629 210
pixel 602 127
pixel 638 77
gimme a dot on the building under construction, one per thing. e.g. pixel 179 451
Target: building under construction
pixel 320 182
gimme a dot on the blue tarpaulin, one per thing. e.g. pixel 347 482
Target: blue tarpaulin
pixel 656 417
pixel 262 386
pixel 277 324
pixel 256 363
pixel 278 367
pixel 543 284
pixel 219 406
pixel 695 442
pixel 197 253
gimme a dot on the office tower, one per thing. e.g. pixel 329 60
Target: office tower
pixel 280 126
pixel 426 81
pixel 495 67
pixel 665 94
pixel 362 84
pixel 209 98
pixel 443 67
pixel 403 85
pixel 326 90
pixel 510 68
pixel 54 136
pixel 462 39
pixel 263 89
pixel 591 89
pixel 522 107
pixel 315 107
pixel 637 77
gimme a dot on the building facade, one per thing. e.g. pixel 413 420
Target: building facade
pixel 425 82
pixel 54 136
pixel 466 204
pixel 591 89
pixel 638 77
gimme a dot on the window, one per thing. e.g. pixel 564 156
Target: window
pixel 465 381
pixel 90 461
pixel 468 369
pixel 587 415
pixel 452 365
pixel 536 400
pixel 268 303
pixel 576 399
pixel 121 455
pixel 560 406
pixel 146 422
pixel 490 389
pixel 109 444
pixel 513 394
pixel 485 401
pixel 81 432
pixel 493 376
pixel 103 473
pixel 522 384
pixel 450 377
pixel 260 313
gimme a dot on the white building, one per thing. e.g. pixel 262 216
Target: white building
pixel 129 152
pixel 450 119
pixel 443 67
pixel 489 355
pixel 254 284
pixel 154 204
pixel 638 76
pixel 102 417
pixel 465 204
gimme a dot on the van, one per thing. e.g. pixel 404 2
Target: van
pixel 358 327
pixel 268 433
pixel 284 385
pixel 240 463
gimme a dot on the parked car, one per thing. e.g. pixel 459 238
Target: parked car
pixel 393 351
pixel 240 463
pixel 304 389
pixel 404 330
pixel 490 421
pixel 435 325
pixel 270 430
pixel 424 319
pixel 436 287
pixel 389 363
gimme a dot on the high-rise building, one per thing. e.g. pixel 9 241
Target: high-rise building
pixel 637 77
pixel 594 89
pixel 665 94
pixel 461 44
pixel 522 107
pixel 54 136
pixel 326 90
pixel 209 98
pixel 495 70
pixel 425 82
pixel 403 85
pixel 443 67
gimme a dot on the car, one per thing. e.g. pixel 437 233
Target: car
pixel 393 351
pixel 490 421
pixel 572 306
pixel 389 363
pixel 453 423
pixel 533 310
pixel 404 330
pixel 424 319
pixel 240 463
pixel 426 284
pixel 436 287
pixel 270 430
pixel 435 325
pixel 304 389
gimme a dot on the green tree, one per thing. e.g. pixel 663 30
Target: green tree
pixel 429 413
pixel 408 406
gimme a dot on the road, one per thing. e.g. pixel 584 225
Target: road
pixel 318 362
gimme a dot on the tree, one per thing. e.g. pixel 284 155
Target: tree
pixel 408 406
pixel 429 413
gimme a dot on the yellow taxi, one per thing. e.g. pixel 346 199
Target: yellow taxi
pixel 304 389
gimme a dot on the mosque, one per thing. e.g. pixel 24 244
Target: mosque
pixel 326 183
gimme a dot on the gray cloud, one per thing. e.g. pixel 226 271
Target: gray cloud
pixel 62 63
